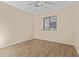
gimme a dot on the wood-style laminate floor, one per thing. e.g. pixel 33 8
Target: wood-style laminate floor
pixel 39 48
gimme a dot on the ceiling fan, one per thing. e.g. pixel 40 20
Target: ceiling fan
pixel 40 3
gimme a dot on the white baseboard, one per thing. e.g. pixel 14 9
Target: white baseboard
pixel 6 45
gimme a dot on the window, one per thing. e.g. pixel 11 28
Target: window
pixel 50 23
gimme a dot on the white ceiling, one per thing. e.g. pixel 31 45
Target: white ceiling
pixel 23 5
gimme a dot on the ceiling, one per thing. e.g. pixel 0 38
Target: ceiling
pixel 39 7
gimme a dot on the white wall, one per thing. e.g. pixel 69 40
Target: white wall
pixel 76 27
pixel 64 33
pixel 15 25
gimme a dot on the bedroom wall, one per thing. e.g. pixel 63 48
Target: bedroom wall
pixel 64 33
pixel 15 26
pixel 76 27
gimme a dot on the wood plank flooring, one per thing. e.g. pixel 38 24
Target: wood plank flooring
pixel 39 48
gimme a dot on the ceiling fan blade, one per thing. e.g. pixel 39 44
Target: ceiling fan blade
pixel 36 5
pixel 48 2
